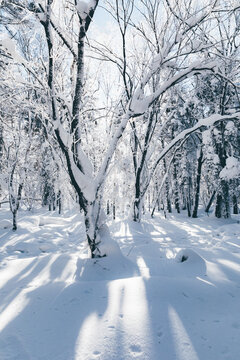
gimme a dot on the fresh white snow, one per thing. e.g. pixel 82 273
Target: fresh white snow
pixel 141 303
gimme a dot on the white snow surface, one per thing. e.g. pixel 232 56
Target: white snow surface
pixel 172 292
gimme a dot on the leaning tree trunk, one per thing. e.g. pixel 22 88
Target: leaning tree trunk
pixel 210 201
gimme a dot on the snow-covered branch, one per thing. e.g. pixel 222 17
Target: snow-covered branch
pixel 207 122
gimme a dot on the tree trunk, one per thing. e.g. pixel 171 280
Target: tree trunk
pixel 169 205
pixel 223 202
pixel 137 205
pixel 198 183
pixel 93 222
pixel 114 210
pixel 176 192
pixel 14 227
pixel 189 208
pixel 137 210
pixel 210 201
pixel 218 208
pixel 168 201
pixel 235 205
pixel 59 202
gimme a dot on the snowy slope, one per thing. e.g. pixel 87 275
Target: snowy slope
pixel 55 304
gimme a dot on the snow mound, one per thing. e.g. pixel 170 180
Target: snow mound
pixel 5 224
pixel 191 262
pixel 110 267
pixel 108 246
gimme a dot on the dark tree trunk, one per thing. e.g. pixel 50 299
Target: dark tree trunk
pixel 168 201
pixel 235 205
pixel 176 192
pixel 59 202
pixel 137 210
pixel 189 208
pixel 222 203
pixel 210 201
pixel 198 183
pixel 169 205
pixel 218 208
pixel 14 213
pixel 114 210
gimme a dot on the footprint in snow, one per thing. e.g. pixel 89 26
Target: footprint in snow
pixel 135 348
pixel 96 353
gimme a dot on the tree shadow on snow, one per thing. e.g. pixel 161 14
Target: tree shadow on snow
pixel 53 314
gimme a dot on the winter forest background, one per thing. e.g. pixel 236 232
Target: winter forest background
pixel 124 112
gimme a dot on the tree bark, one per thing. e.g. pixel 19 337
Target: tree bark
pixel 210 201
pixel 198 183
pixel 14 227
pixel 176 192
pixel 222 203
pixel 235 205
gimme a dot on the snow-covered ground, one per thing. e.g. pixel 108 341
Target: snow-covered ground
pixel 55 304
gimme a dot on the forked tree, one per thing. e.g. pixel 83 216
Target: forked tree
pixel 67 23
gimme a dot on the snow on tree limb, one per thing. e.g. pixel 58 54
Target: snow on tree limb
pixel 207 122
pixel 140 104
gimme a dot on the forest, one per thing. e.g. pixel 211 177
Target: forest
pixel 120 127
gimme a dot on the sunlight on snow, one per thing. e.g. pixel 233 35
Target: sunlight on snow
pixel 170 254
pixel 202 228
pixel 68 273
pixel 8 273
pixel 136 323
pixel 143 268
pixel 230 264
pixel 13 309
pixel 44 276
pixel 214 272
pixel 231 243
pixel 191 228
pixel 205 281
pixel 88 337
pixel 183 345
pixel 126 313
pixel 93 327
